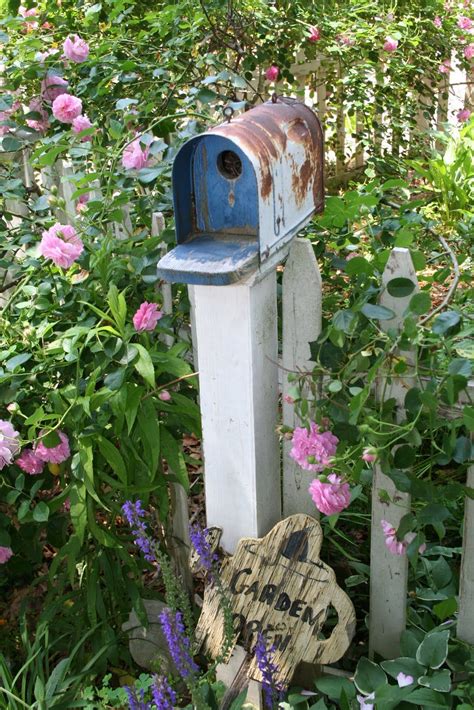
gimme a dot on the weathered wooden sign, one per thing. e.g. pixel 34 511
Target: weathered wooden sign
pixel 279 586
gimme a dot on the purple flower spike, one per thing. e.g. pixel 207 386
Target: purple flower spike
pixel 163 694
pixel 133 702
pixel 133 513
pixel 178 643
pixel 201 544
pixel 272 690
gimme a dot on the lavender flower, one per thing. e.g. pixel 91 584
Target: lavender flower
pixel 134 513
pixel 178 643
pixel 133 702
pixel 201 544
pixel 163 694
pixel 272 690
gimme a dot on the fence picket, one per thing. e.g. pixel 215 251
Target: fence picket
pixel 465 624
pixel 302 294
pixel 388 572
pixel 157 226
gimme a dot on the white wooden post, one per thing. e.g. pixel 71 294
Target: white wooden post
pixel 465 626
pixel 236 328
pixel 157 226
pixel 66 189
pixel 123 230
pixel 301 324
pixel 388 572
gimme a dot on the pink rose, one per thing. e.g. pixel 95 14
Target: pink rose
pixel 61 244
pixel 5 554
pixel 29 462
pixel 9 446
pixel 313 449
pixel 347 40
pixel 66 108
pixel 437 22
pixel 369 455
pixel 314 35
pixel 134 156
pixel 81 123
pixel 463 115
pixel 445 67
pixel 331 497
pixel 469 51
pixel 464 23
pixel 146 317
pixel 164 396
pixel 53 86
pixel 395 546
pixel 82 201
pixel 54 454
pixel 26 14
pixel 390 44
pixel 272 73
pixel 38 124
pixel 76 49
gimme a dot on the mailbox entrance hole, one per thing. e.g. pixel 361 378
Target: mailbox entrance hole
pixel 229 164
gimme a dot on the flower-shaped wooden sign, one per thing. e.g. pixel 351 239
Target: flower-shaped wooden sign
pixel 278 586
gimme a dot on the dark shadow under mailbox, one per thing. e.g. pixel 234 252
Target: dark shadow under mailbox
pixel 242 190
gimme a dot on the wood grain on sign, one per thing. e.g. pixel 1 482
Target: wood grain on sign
pixel 279 586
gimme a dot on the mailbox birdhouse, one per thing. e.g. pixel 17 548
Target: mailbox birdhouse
pixel 242 190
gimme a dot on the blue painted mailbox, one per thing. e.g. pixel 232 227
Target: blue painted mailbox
pixel 242 190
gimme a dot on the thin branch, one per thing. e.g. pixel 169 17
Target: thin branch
pixel 454 284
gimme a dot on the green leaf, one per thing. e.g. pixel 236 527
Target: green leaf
pixel 51 440
pixel 445 609
pixel 144 365
pixel 405 664
pixel 460 366
pixel 420 303
pixel 170 450
pixel 369 676
pixel 404 456
pixel 239 701
pixel 150 434
pixel 333 686
pixel 370 310
pixel 440 681
pixel 41 512
pixel 118 306
pixel 432 513
pixel 409 643
pixel 133 396
pixel 462 449
pixel 113 457
pixel 344 320
pixel 427 698
pixel 433 650
pixel 468 417
pixel 16 361
pixel 11 144
pixel 400 287
pixel 445 321
pixel 358 265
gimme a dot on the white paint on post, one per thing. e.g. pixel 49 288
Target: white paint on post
pixel 123 230
pixel 66 188
pixel 236 328
pixel 465 625
pixel 157 227
pixel 302 294
pixel 192 320
pixel 388 572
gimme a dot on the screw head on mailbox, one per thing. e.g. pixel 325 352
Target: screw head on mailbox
pixel 242 191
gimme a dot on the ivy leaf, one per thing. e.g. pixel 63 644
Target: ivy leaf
pixel 41 512
pixel 440 681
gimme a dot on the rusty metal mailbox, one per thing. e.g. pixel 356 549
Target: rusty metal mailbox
pixel 242 190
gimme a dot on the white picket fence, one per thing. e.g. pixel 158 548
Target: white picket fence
pixel 301 304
